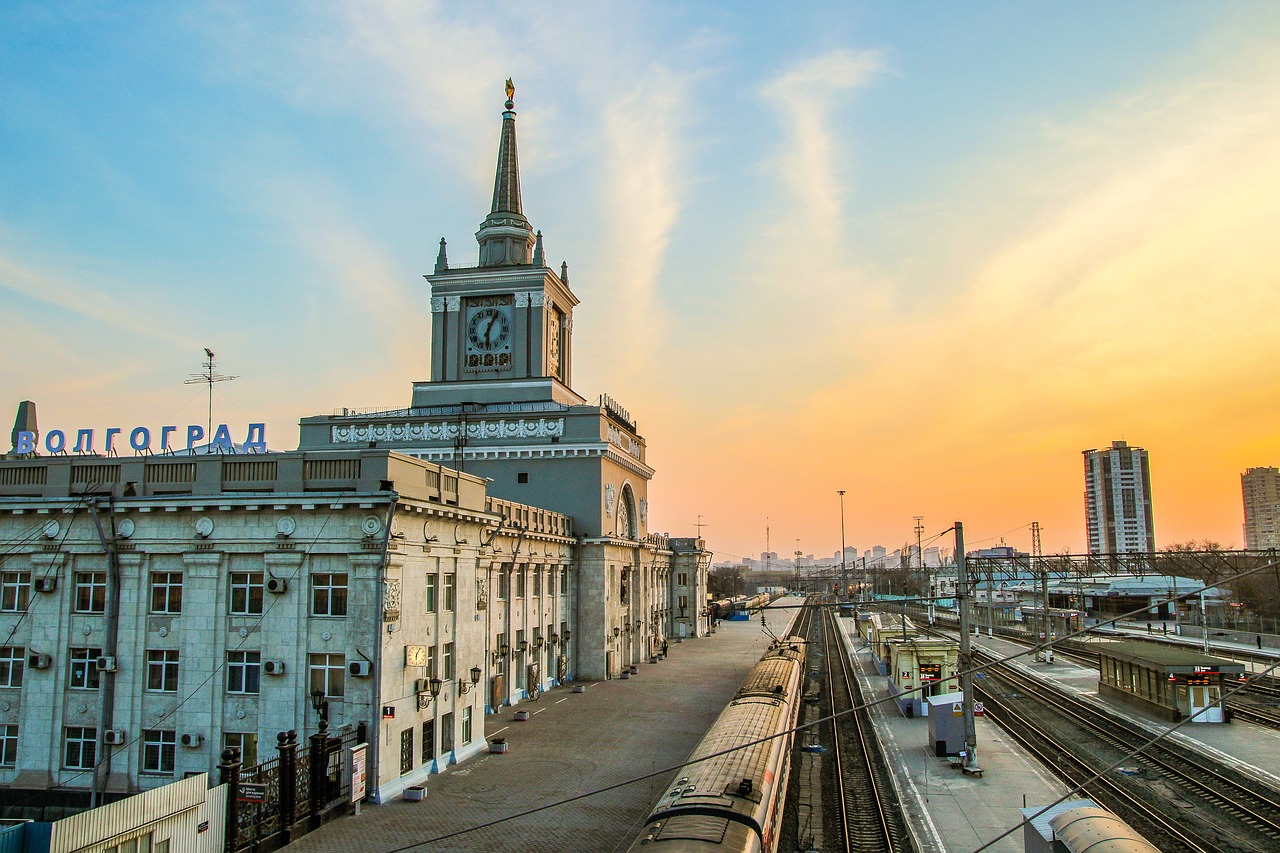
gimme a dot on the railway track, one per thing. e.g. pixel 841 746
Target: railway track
pixel 866 803
pixel 1181 800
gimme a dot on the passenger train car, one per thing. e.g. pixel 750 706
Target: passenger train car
pixel 728 797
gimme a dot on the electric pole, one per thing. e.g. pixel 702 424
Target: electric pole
pixel 844 578
pixel 966 656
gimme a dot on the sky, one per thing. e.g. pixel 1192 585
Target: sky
pixel 926 253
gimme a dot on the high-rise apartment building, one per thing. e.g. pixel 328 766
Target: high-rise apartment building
pixel 1261 490
pixel 1117 500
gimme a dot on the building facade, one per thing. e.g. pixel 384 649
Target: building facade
pixel 500 405
pixel 160 609
pixel 1117 500
pixel 1261 490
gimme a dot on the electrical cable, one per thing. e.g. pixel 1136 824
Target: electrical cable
pixel 831 717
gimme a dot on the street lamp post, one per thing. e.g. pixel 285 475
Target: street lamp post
pixel 844 579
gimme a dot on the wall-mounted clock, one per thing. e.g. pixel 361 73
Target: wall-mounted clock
pixel 489 329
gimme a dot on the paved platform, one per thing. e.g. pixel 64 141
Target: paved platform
pixel 572 744
pixel 948 810
pixel 1248 747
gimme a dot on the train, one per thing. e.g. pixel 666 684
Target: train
pixel 729 794
pixel 738 606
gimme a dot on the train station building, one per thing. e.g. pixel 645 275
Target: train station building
pixel 401 574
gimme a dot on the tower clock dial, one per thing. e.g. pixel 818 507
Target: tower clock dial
pixel 488 330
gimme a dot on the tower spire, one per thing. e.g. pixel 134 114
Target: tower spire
pixel 505 236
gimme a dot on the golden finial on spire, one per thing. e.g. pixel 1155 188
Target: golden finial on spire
pixel 511 89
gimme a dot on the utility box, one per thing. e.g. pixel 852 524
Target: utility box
pixel 946 727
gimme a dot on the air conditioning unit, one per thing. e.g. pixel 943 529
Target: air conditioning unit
pixel 359 668
pixel 114 737
pixel 277 585
pixel 49 584
pixel 39 661
pixel 422 685
pixel 273 667
pixel 106 663
pixel 192 740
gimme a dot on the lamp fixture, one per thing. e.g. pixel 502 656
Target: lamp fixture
pixel 317 699
pixel 568 634
pixel 475 675
pixel 522 646
pixel 555 639
pixel 616 630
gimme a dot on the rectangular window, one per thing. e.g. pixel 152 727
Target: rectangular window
pixel 446 733
pixel 328 673
pixel 450 593
pixel 91 592
pixel 15 591
pixel 82 672
pixel 520 583
pixel 504 585
pixel 537 582
pixel 12 661
pixel 466 725
pixel 431 593
pixel 246 742
pixel 682 579
pixel 246 593
pixel 406 751
pixel 428 741
pixel 498 640
pixel 80 748
pixel 329 594
pixel 162 670
pixel 446 662
pixel 431 662
pixel 684 603
pixel 244 672
pixel 158 748
pixel 564 581
pixel 166 592
pixel 9 746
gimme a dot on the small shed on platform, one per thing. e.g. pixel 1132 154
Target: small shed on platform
pixel 1172 682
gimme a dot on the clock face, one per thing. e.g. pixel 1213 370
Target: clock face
pixel 415 655
pixel 489 330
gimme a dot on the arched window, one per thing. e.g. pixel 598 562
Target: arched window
pixel 626 514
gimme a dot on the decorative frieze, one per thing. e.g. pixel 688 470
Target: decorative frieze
pixel 453 303
pixel 437 304
pixel 623 441
pixel 448 430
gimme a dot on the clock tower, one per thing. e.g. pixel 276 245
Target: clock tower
pixel 501 331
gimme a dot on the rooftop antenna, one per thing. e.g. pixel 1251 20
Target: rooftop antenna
pixel 701 524
pixel 208 377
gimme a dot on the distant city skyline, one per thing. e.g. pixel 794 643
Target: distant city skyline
pixel 924 258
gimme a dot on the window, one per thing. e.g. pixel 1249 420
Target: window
pixel 91 592
pixel 520 583
pixel 504 584
pixel 522 477
pixel 246 593
pixel 431 593
pixel 12 661
pixel 9 746
pixel 328 673
pixel 80 748
pixel 162 670
pixel 244 672
pixel 158 747
pixel 450 595
pixel 682 579
pixel 498 640
pixel 466 725
pixel 406 751
pixel 446 661
pixel 537 582
pixel 564 581
pixel 82 670
pixel 246 742
pixel 446 733
pixel 166 592
pixel 428 741
pixel 684 603
pixel 431 662
pixel 329 594
pixel 15 591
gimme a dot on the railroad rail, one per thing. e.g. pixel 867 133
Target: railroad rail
pixel 870 816
pixel 1177 797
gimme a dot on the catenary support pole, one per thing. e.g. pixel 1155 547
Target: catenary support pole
pixel 966 657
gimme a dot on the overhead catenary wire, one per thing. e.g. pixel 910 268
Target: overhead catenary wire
pixel 831 717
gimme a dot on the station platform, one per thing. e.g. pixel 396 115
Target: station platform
pixel 1247 746
pixel 572 744
pixel 949 811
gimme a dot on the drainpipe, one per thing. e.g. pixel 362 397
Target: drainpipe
pixel 380 589
pixel 107 689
